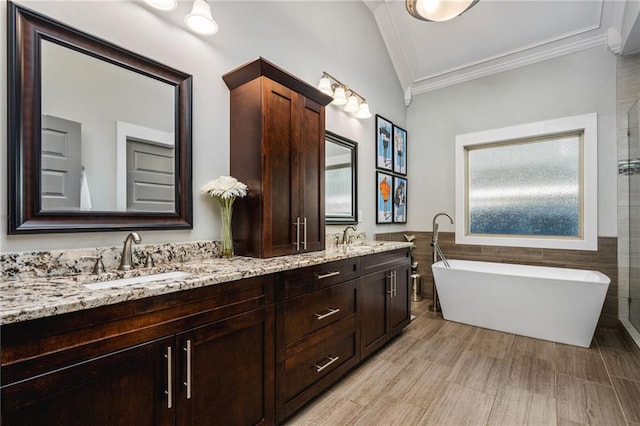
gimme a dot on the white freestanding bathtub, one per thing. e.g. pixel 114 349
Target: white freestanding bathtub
pixel 557 304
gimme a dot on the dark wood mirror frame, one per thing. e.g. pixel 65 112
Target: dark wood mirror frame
pixel 25 31
pixel 352 146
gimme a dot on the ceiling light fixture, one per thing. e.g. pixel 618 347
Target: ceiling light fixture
pixel 165 5
pixel 200 19
pixel 438 10
pixel 344 95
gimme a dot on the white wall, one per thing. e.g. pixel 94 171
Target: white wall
pixel 302 37
pixel 575 84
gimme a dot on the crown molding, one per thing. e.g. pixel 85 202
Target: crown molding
pixel 563 44
pixel 505 64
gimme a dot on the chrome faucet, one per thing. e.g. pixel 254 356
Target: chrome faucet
pixel 345 235
pixel 434 238
pixel 126 262
pixel 437 252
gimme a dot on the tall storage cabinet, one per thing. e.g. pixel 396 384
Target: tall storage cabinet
pixel 277 149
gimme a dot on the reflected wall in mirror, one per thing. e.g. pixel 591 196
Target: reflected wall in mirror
pixel 99 137
pixel 341 186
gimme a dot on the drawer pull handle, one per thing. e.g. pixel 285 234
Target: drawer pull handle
pixel 328 314
pixel 169 391
pixel 319 368
pixel 187 383
pixel 330 274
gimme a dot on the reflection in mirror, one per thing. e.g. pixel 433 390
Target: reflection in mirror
pixel 341 165
pixel 71 80
pixel 99 137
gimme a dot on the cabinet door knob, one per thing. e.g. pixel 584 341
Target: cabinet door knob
pixel 328 314
pixel 331 359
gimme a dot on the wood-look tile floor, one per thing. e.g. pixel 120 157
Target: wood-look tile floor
pixel 439 372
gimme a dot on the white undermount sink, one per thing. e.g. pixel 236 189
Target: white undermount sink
pixel 123 282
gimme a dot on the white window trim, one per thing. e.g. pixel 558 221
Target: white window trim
pixel 588 124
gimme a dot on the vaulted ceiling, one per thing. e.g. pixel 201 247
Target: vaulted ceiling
pixel 494 36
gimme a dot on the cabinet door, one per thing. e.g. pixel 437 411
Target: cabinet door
pixel 280 185
pixel 123 388
pixel 399 306
pixel 311 157
pixel 226 371
pixel 373 299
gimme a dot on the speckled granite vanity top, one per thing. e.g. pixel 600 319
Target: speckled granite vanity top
pixel 24 299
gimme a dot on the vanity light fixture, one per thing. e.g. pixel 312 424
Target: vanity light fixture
pixel 200 19
pixel 438 10
pixel 344 95
pixel 165 5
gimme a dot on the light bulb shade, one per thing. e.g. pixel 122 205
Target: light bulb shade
pixel 339 96
pixel 352 104
pixel 438 10
pixel 363 111
pixel 165 5
pixel 200 19
pixel 325 86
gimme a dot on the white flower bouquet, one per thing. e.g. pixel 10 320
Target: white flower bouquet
pixel 225 189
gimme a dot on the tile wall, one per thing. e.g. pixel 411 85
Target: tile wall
pixel 628 91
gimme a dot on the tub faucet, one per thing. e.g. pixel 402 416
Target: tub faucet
pixel 345 235
pixel 126 261
pixel 434 238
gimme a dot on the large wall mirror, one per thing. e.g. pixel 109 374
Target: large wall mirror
pixel 99 137
pixel 341 186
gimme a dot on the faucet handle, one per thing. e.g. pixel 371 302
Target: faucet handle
pixel 148 261
pixel 98 267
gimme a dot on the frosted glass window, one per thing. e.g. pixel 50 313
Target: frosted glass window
pixel 526 187
pixel 338 187
pixel 529 185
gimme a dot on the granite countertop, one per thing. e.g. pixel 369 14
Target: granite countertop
pixel 32 298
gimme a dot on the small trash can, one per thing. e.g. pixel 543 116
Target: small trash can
pixel 416 288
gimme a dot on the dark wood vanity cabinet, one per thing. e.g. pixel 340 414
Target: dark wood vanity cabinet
pixel 251 351
pixel 383 299
pixel 316 334
pixel 118 388
pixel 203 356
pixel 277 139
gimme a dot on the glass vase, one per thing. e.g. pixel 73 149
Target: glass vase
pixel 227 238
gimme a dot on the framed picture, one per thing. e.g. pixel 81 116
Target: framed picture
pixel 384 198
pixel 384 148
pixel 399 200
pixel 399 150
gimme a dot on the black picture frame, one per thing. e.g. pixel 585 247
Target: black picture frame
pixel 384 197
pixel 384 143
pixel 399 150
pixel 399 199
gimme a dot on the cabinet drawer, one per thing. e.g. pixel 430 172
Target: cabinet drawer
pixel 306 314
pixel 301 281
pixel 316 361
pixel 385 260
